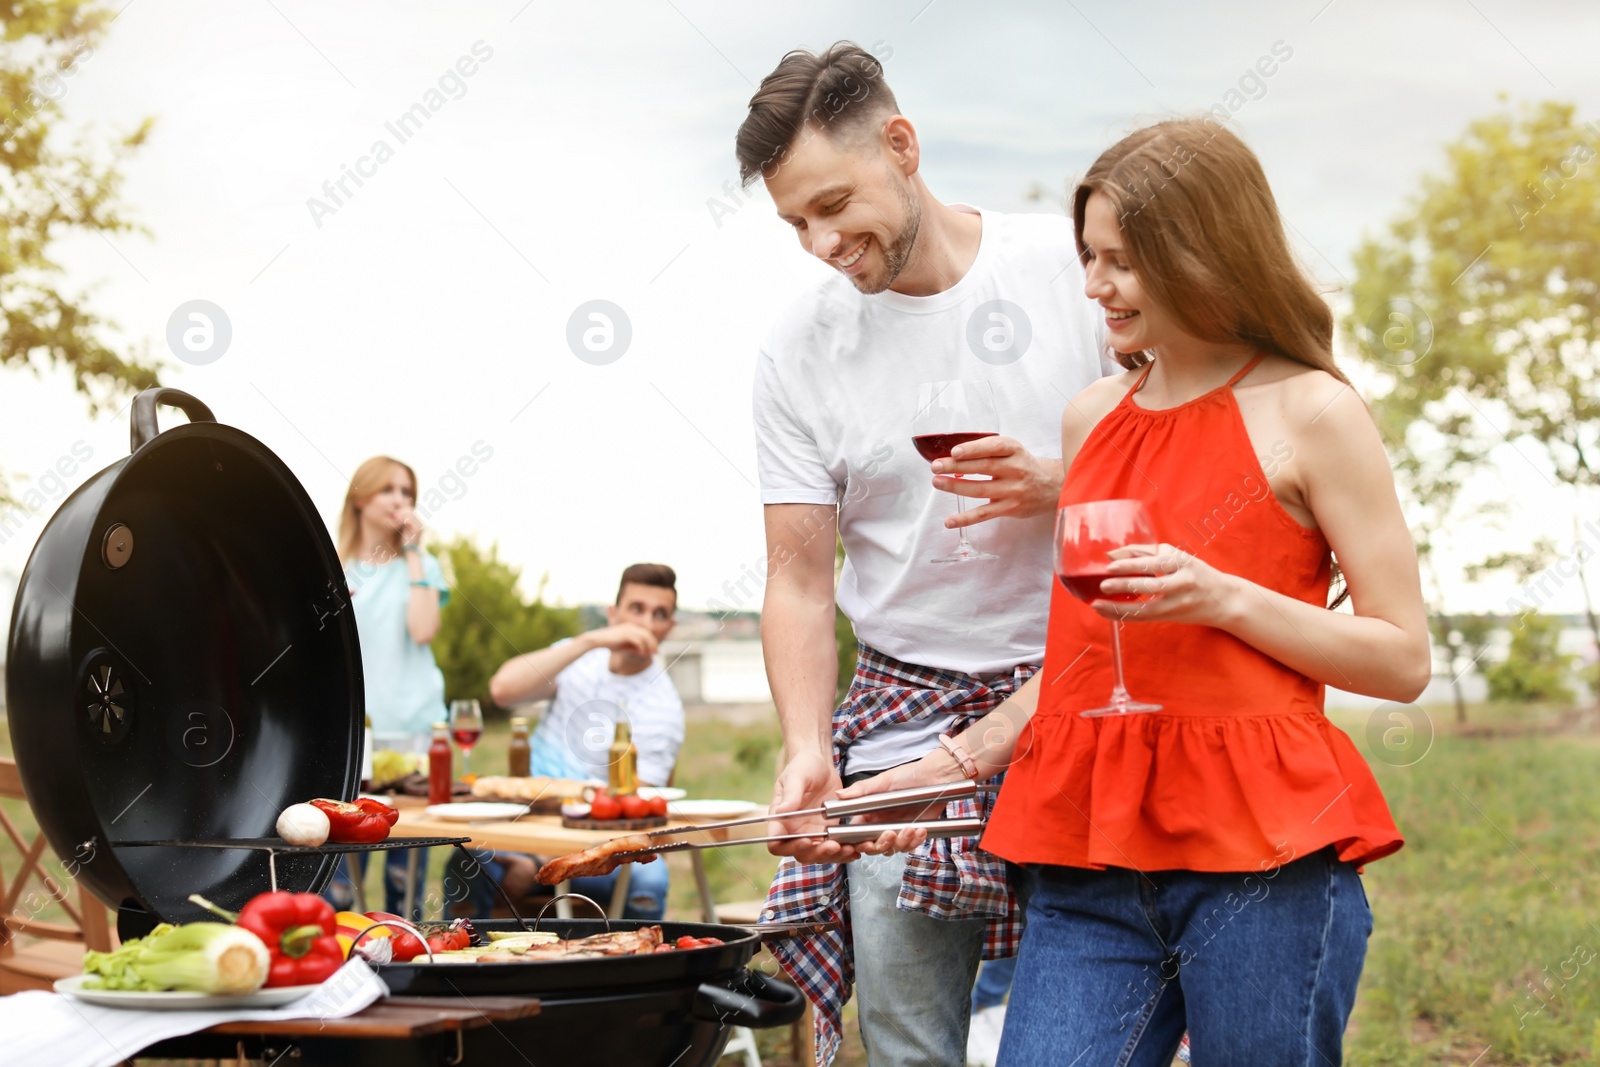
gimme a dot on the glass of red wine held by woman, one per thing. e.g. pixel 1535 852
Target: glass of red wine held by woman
pixel 951 413
pixel 1086 534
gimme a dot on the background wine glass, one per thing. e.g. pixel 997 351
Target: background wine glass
pixel 1085 535
pixel 951 413
pixel 466 726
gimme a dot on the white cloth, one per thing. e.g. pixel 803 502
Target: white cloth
pixel 836 389
pixel 52 1030
pixel 574 738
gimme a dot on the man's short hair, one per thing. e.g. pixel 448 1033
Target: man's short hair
pixel 838 92
pixel 657 574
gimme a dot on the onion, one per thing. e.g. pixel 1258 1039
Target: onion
pixel 303 824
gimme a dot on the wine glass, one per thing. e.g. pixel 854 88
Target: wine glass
pixel 466 726
pixel 951 413
pixel 1085 534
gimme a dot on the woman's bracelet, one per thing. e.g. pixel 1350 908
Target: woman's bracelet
pixel 963 758
pixel 420 582
pixel 408 547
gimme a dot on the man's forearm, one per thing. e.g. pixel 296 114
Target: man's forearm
pixel 533 676
pixel 797 639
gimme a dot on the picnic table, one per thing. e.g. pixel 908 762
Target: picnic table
pixel 544 835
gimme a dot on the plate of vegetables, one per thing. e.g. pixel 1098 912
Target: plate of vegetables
pixel 177 999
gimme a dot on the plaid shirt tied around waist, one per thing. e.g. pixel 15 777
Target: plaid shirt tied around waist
pixel 949 878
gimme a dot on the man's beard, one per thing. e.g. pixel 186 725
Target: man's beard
pixel 896 254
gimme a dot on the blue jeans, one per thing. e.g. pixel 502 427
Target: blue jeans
pixel 1261 966
pixel 913 973
pixel 994 982
pixel 647 888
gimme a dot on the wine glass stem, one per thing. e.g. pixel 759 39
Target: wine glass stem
pixel 961 531
pixel 466 754
pixel 1119 692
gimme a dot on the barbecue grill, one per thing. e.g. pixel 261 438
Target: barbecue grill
pixel 183 665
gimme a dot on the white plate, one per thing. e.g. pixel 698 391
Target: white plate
pixel 667 792
pixel 475 809
pixel 712 809
pixel 175 1000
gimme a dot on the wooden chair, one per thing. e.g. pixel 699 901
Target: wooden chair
pixel 35 952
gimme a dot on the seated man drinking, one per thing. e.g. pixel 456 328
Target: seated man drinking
pixel 592 681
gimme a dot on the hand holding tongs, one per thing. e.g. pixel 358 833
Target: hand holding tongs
pixel 838 809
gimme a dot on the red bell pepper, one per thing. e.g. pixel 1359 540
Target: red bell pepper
pixel 362 822
pixel 297 929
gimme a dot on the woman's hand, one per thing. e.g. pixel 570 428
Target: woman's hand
pixel 1181 588
pixel 937 767
pixel 408 525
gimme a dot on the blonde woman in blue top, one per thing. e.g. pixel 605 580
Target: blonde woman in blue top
pixel 396 589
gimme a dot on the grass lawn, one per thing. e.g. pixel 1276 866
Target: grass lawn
pixel 1486 950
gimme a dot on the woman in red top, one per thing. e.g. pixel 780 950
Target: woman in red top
pixel 1197 866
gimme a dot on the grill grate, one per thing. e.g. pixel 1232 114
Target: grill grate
pixel 275 844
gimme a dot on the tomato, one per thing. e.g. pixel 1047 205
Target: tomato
pixel 406 946
pixel 604 806
pixel 634 806
pixel 697 942
pixel 658 805
pixel 662 948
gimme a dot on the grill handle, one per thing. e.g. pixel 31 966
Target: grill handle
pixel 144 428
pixel 756 1002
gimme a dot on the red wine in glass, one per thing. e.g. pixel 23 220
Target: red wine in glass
pixel 1085 585
pixel 945 413
pixel 932 446
pixel 1086 534
pixel 466 726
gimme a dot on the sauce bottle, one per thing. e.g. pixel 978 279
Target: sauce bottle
pixel 520 753
pixel 623 773
pixel 439 765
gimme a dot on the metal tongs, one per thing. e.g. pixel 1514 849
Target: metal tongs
pixel 837 809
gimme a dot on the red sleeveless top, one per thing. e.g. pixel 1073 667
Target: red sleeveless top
pixel 1240 770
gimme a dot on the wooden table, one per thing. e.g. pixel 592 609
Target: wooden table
pixel 414 1021
pixel 543 835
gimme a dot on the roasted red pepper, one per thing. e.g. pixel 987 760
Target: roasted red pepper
pixel 361 822
pixel 297 929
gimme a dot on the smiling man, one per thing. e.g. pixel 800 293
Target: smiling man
pixel 924 292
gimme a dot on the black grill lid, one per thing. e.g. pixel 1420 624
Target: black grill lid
pixel 183 664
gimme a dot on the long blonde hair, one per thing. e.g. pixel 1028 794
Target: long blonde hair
pixel 369 480
pixel 1202 230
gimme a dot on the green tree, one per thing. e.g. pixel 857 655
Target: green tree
pixel 1535 671
pixel 1478 309
pixel 47 192
pixel 487 621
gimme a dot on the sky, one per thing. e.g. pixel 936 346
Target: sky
pixel 587 156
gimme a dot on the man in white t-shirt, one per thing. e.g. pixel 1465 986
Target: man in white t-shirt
pixel 926 292
pixel 593 681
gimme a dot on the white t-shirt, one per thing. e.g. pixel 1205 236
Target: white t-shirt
pixel 835 392
pixel 574 737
